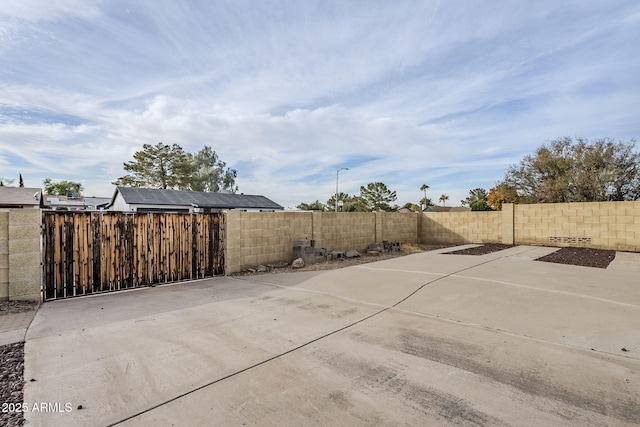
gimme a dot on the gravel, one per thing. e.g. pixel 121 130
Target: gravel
pixel 487 248
pixel 11 382
pixel 585 257
pixel 12 369
pixel 364 258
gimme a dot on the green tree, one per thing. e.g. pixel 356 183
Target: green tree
pixel 475 194
pixel 443 199
pixel 355 204
pixel 6 181
pixel 21 181
pixel 412 206
pixel 159 166
pixel 342 199
pixel 426 202
pixel 578 171
pixel 377 196
pixel 61 188
pixel 211 173
pixel 480 205
pixel 315 206
pixel 424 187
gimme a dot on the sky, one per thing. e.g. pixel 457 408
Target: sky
pixel 444 93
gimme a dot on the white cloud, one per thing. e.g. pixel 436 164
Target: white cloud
pixel 35 10
pixel 447 93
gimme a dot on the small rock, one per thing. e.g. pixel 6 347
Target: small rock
pixel 352 254
pixel 298 263
pixel 279 264
pixel 624 349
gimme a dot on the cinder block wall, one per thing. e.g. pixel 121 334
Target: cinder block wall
pixel 20 271
pixel 344 231
pixel 458 228
pixel 397 227
pixel 4 256
pixel 257 238
pixel 254 238
pixel 605 225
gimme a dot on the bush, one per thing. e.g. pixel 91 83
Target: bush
pixel 480 205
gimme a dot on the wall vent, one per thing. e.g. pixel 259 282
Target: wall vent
pixel 570 240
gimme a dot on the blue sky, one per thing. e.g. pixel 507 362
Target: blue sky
pixel 447 93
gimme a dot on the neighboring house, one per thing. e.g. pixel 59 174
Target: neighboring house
pixel 446 209
pixel 154 200
pixel 76 203
pixel 405 210
pixel 20 197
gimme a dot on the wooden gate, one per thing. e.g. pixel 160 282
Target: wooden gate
pixel 91 252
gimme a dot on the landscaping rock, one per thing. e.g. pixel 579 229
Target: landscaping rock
pixel 298 263
pixel 352 254
pixel 262 268
pixel 279 264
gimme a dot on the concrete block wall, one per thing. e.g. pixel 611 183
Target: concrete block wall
pixel 397 227
pixel 254 238
pixel 4 255
pixel 344 231
pixel 604 225
pixel 458 228
pixel 20 254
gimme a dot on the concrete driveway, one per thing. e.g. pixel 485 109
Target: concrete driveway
pixel 425 339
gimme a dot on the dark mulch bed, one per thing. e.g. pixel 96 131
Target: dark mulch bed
pixel 487 248
pixel 11 307
pixel 585 257
pixel 11 369
pixel 11 382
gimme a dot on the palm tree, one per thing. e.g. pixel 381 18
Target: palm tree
pixel 444 198
pixel 424 187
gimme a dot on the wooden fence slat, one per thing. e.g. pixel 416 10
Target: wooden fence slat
pixel 91 252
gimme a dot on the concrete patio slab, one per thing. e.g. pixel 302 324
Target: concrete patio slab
pixel 425 339
pixel 13 327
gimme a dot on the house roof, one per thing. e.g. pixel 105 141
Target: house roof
pixel 150 196
pixel 75 202
pixel 20 196
pixel 446 209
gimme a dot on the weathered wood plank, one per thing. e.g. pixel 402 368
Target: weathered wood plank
pixel 91 252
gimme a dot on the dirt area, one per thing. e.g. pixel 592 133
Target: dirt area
pixel 11 307
pixel 11 368
pixel 11 382
pixel 585 257
pixel 364 258
pixel 487 248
